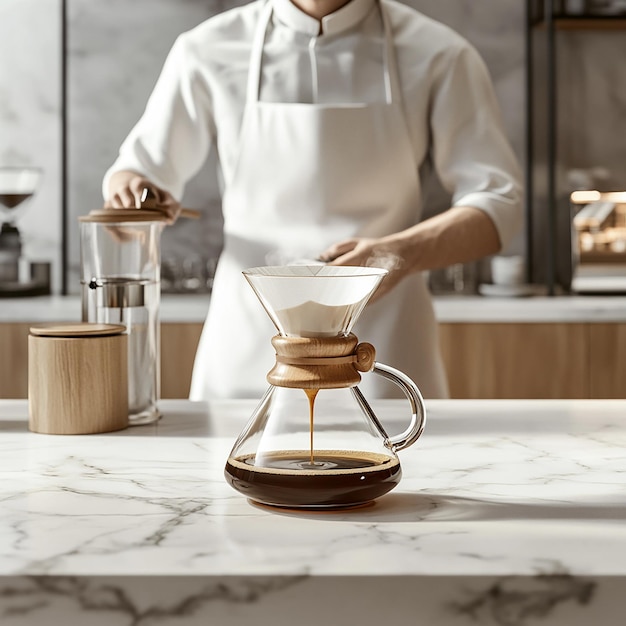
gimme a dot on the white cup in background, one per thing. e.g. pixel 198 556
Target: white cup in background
pixel 508 270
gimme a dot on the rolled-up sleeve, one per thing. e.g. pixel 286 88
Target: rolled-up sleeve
pixel 471 152
pixel 172 139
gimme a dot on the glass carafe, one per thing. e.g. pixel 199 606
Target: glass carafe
pixel 120 284
pixel 313 441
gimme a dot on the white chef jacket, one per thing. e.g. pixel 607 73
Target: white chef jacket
pixel 450 106
pixel 451 116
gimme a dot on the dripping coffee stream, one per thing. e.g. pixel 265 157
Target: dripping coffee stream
pixel 313 441
pixel 311 394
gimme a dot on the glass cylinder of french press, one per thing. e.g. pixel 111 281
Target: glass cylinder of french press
pixel 121 284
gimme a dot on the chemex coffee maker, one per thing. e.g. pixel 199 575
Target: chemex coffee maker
pixel 18 276
pixel 314 441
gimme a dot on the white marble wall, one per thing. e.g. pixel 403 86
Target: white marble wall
pixel 116 49
pixel 30 117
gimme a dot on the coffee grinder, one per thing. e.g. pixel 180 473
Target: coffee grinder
pixel 18 276
pixel 314 441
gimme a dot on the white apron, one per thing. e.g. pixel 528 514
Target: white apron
pixel 307 176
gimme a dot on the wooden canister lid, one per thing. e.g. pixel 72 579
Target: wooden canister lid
pixel 77 330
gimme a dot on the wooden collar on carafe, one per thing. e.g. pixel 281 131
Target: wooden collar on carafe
pixel 320 362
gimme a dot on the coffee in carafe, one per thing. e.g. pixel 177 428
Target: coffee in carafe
pixel 314 442
pixel 337 478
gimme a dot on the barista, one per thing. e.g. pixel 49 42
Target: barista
pixel 323 113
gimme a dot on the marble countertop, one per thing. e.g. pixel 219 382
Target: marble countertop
pixel 494 493
pixel 493 487
pixel 449 309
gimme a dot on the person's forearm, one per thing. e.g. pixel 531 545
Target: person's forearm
pixel 459 235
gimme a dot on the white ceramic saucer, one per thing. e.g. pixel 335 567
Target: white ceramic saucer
pixel 509 291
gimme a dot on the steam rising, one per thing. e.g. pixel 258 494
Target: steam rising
pixel 379 259
pixel 385 261
pixel 291 257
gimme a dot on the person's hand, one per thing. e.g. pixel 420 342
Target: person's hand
pixel 386 253
pixel 126 190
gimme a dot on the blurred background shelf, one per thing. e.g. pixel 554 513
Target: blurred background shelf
pixel 590 23
pixel 585 22
pixel 574 56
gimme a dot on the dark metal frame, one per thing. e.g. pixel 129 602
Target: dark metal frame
pixel 64 167
pixel 551 106
pixel 542 14
pixel 529 144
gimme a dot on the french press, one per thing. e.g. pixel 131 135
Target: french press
pixel 313 441
pixel 120 284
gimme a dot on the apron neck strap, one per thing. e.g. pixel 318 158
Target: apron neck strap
pixel 392 81
pixel 253 91
pixel 256 54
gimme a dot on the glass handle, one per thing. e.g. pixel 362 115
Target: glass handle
pixel 418 411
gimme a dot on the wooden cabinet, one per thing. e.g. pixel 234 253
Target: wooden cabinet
pixel 607 356
pixel 483 360
pixel 14 360
pixel 517 360
pixel 178 349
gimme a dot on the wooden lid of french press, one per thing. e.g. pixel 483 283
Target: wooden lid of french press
pixel 149 211
pixel 110 216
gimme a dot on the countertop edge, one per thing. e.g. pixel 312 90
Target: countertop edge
pixel 448 309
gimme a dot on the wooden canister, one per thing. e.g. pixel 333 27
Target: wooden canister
pixel 77 378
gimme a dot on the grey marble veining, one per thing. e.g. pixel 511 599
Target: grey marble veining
pixel 283 601
pixel 509 513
